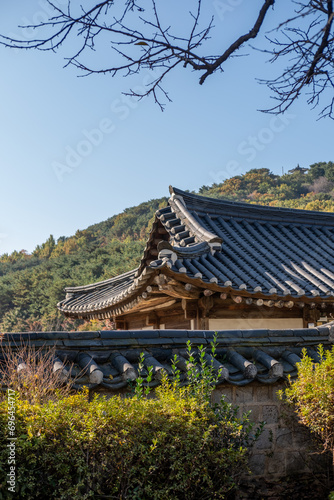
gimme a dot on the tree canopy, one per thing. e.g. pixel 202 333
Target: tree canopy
pixel 141 36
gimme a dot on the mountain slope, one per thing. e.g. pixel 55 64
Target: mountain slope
pixel 31 285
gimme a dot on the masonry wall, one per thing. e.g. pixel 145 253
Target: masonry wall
pixel 285 447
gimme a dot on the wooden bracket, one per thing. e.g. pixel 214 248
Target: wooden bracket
pixel 206 304
pixel 178 290
pixel 161 279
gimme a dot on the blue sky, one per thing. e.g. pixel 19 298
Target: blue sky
pixel 75 151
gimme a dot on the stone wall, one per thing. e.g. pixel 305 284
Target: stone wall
pixel 286 462
pixel 285 447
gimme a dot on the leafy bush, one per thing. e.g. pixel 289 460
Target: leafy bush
pixel 175 445
pixel 169 447
pixel 312 394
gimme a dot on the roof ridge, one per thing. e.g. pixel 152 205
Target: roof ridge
pixel 179 206
pixel 83 288
pixel 252 211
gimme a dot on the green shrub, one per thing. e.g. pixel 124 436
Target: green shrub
pixel 174 445
pixel 312 394
pixel 168 447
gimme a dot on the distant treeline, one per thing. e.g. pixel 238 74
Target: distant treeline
pixel 32 284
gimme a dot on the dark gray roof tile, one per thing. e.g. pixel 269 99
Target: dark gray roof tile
pixel 119 342
pixel 154 341
pixel 172 333
pixel 275 353
pixel 78 342
pixel 114 334
pixel 84 335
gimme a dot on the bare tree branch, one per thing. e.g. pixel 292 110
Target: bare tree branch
pixel 240 41
pixel 310 50
pixel 158 47
pixel 140 40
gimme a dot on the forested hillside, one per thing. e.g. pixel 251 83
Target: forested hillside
pixel 32 284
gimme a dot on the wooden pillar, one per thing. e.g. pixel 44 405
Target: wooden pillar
pixel 190 310
pixel 203 324
pixel 152 320
pixel 205 304
pixel 310 315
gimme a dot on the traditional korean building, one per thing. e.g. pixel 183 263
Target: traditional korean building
pixel 214 264
pixel 259 280
pixel 298 169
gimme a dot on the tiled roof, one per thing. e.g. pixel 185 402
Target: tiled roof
pixel 228 247
pixel 109 359
pixel 105 293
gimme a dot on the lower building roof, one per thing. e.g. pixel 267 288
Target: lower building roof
pixel 109 360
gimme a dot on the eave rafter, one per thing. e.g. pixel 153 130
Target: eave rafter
pixel 165 290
